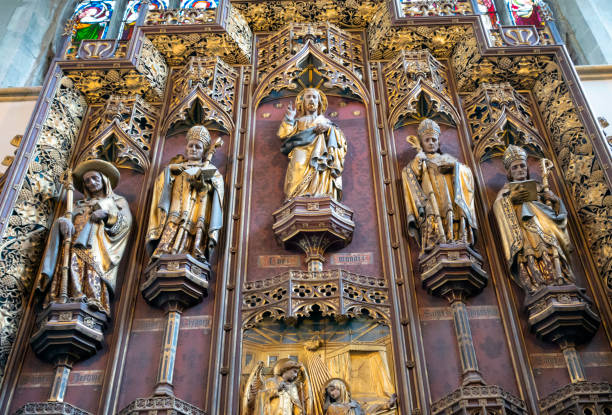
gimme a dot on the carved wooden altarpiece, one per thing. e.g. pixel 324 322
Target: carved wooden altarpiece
pixel 446 332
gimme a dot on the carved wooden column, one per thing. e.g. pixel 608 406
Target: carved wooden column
pixel 557 310
pixel 450 266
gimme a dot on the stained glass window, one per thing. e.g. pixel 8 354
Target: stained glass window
pixel 487 8
pixel 525 12
pixel 132 12
pixel 198 4
pixel 93 18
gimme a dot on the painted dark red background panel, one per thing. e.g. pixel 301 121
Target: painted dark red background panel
pixel 269 166
pixel 193 350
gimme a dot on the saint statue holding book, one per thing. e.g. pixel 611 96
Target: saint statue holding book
pixel 532 222
pixel 186 210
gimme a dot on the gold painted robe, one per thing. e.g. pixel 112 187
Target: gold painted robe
pixel 434 188
pixel 535 241
pixel 271 401
pixel 186 210
pixel 316 161
pixel 97 249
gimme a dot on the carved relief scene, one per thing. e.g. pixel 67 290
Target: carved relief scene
pixel 281 208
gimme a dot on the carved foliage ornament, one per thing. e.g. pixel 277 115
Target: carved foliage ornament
pixel 272 15
pixel 416 79
pixel 24 239
pixel 121 132
pixel 472 69
pixel 499 116
pixel 386 41
pixel 233 42
pixel 436 8
pixel 148 78
pixel 581 169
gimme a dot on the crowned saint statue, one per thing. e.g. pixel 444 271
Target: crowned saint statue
pixel 532 222
pixel 439 193
pixel 97 233
pixel 316 148
pixel 186 210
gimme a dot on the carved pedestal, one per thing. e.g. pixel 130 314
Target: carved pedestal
pixel 70 330
pixel 50 408
pixel 314 225
pixel 454 272
pixel 176 278
pixel 160 405
pixel 450 269
pixel 579 398
pixel 479 400
pixel 172 282
pixel 562 314
pixel 64 334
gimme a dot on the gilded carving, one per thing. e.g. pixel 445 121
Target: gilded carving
pixel 436 8
pixel 533 227
pixel 439 194
pixel 24 238
pixel 87 244
pixel 121 132
pixel 186 210
pixel 336 293
pixel 341 46
pixel 316 148
pixel 287 392
pixel 581 169
pixel 472 68
pixel 386 40
pixel 498 116
pixel 148 78
pixel 212 83
pixel 233 43
pixel 313 67
pixel 273 15
pixel 416 80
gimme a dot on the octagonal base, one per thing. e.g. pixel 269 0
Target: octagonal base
pixel 50 408
pixel 562 314
pixel 71 330
pixel 176 278
pixel 313 224
pixel 161 405
pixel 479 399
pixel 451 269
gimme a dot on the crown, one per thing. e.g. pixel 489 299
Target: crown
pixel 200 133
pixel 427 127
pixel 513 153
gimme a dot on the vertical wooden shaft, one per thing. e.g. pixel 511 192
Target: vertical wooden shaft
pixel 574 365
pixel 168 354
pixel 469 363
pixel 60 381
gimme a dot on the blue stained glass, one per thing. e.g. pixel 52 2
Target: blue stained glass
pixel 133 9
pixel 92 18
pixel 198 4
